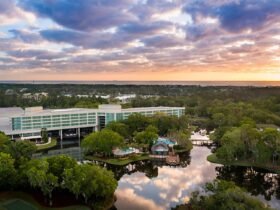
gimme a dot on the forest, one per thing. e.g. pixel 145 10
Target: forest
pixel 61 174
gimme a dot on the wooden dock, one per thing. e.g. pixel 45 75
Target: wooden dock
pixel 173 160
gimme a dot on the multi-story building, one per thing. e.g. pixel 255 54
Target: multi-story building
pixel 28 123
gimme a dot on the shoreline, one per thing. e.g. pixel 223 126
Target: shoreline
pixel 213 159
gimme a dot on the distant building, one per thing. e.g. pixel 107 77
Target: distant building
pixel 9 92
pixel 83 96
pixel 23 90
pixel 27 96
pixel 35 96
pixel 149 96
pixel 103 96
pixel 28 123
pixel 125 98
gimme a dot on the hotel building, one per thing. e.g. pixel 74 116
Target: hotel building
pixel 28 123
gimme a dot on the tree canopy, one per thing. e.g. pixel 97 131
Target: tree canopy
pixel 147 136
pixel 224 195
pixel 102 142
pixel 248 143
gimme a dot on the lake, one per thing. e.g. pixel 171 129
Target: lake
pixel 154 186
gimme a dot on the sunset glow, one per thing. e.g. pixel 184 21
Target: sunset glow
pixel 189 40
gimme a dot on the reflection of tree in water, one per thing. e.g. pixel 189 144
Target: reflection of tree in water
pixel 185 159
pixel 256 182
pixel 149 167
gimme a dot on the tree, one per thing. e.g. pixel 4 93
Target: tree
pixel 4 141
pixel 102 142
pixel 219 119
pixel 7 171
pixel 38 175
pixel 164 123
pixel 119 128
pixel 231 145
pixel 44 134
pixel 21 150
pixel 182 138
pixel 89 180
pixel 183 122
pixel 147 136
pixel 59 163
pixel 86 104
pixel 136 123
pixel 271 139
pixel 225 195
pixel 249 136
pixel 3 137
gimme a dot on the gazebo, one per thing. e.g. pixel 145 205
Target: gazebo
pixel 160 148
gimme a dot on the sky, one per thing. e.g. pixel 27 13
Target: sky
pixel 183 40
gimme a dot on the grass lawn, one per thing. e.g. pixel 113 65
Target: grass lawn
pixel 24 201
pixel 47 146
pixel 119 161
pixel 213 159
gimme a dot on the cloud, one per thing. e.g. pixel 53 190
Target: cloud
pixel 106 40
pixel 26 36
pixel 236 16
pixel 87 40
pixel 83 15
pixel 163 41
pixel 201 31
pixel 145 11
pixel 7 8
pixel 140 36
pixel 170 187
pixel 145 28
pixel 11 14
pixel 128 199
pixel 37 54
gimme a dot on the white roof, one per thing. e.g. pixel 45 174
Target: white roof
pixel 157 108
pixel 5 121
pixel 53 112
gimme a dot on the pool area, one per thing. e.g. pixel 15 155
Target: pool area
pixel 166 141
pixel 125 151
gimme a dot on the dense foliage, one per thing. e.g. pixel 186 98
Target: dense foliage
pixel 182 138
pixel 224 195
pixel 249 143
pixel 210 107
pixel 139 130
pixel 102 142
pixel 145 130
pixel 18 171
pixel 146 136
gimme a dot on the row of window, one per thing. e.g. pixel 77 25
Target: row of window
pixel 77 119
pixel 53 121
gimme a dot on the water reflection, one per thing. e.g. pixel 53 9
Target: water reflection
pixel 258 182
pixel 153 185
pixel 149 167
pixel 163 187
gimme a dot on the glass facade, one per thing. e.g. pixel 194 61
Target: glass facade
pixel 149 113
pixel 54 121
pixel 71 120
pixel 110 117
